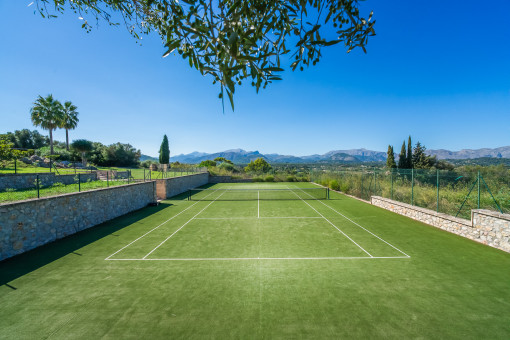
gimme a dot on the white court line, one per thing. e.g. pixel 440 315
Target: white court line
pixel 357 224
pixel 175 232
pixel 252 218
pixel 150 231
pixel 333 224
pixel 265 258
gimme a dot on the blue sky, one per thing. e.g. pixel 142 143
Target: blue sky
pixel 438 70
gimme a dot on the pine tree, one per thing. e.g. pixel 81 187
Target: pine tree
pixel 420 159
pixel 402 161
pixel 164 151
pixel 409 157
pixel 390 161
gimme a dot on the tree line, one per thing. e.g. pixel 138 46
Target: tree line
pixel 414 158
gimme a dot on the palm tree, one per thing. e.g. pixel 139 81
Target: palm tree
pixel 47 113
pixel 69 119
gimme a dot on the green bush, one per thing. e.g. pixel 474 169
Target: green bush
pixel 333 184
pixel 291 179
pixel 269 178
pixel 258 179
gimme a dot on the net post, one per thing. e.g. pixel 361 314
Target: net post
pixel 328 193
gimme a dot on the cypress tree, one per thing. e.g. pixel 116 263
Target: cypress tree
pixel 402 161
pixel 390 160
pixel 164 151
pixel 409 157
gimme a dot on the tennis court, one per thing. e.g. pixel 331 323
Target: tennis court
pixel 258 260
pixel 254 221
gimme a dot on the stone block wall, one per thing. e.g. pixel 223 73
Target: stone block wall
pixel 169 187
pixel 28 224
pixel 27 181
pixel 492 228
pixel 487 227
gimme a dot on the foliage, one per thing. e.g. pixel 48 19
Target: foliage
pixel 409 157
pixel 234 40
pixel 227 166
pixel 47 113
pixel 208 163
pixel 260 165
pixel 402 159
pixel 6 150
pixel 26 139
pixel 420 159
pixel 69 119
pixel 62 153
pixel 164 151
pixel 269 178
pixel 333 184
pixel 119 154
pixel 223 160
pixel 146 164
pixel 82 146
pixel 390 160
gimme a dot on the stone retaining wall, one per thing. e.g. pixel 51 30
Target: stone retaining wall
pixel 487 227
pixel 27 181
pixel 28 224
pixel 168 187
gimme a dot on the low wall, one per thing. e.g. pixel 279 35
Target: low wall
pixel 28 224
pixel 27 181
pixel 168 187
pixel 487 227
pixel 228 179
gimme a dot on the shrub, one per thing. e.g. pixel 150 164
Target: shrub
pixel 291 179
pixel 345 187
pixel 258 179
pixel 333 184
pixel 269 178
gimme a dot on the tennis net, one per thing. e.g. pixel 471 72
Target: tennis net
pixel 257 194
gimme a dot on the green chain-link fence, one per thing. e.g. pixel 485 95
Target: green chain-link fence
pixel 452 192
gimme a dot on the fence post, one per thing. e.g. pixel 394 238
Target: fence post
pixel 478 180
pixel 437 183
pixel 128 174
pixel 144 174
pixel 107 181
pixel 361 184
pixel 15 166
pixel 79 182
pixel 392 184
pixel 375 182
pixel 50 164
pixel 412 186
pixel 37 184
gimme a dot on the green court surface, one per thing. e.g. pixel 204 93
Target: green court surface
pixel 254 261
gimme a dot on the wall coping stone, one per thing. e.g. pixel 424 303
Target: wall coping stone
pixel 42 199
pixel 491 213
pixel 32 174
pixel 425 211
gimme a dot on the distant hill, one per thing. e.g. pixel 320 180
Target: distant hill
pixel 240 156
pixel 502 152
pixel 148 158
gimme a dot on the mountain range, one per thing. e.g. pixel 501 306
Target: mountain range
pixel 241 156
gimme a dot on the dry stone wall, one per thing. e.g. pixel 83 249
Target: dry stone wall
pixel 487 227
pixel 28 224
pixel 169 187
pixel 28 181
